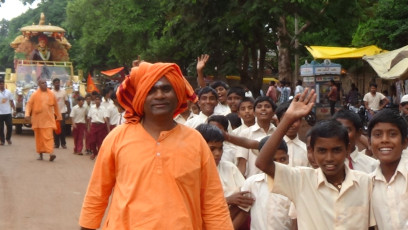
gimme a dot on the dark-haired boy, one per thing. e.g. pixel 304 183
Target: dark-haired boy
pixel 207 100
pixel 246 113
pixel 297 150
pixel 231 178
pixel 264 109
pixel 228 148
pixel 332 196
pixel 234 97
pixel 78 116
pixel 355 160
pixel 269 210
pixel 98 126
pixel 387 132
pixel 222 107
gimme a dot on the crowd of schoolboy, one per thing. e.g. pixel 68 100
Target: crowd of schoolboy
pixel 93 117
pixel 273 180
pixel 326 183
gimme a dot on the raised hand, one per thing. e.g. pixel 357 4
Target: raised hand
pixel 201 61
pixel 302 104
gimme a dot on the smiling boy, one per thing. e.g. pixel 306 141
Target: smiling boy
pixel 387 133
pixel 264 110
pixel 207 100
pixel 330 196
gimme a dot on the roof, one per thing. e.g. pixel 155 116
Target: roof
pixel 327 52
pixel 390 65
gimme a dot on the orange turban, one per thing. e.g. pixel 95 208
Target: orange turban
pixel 133 91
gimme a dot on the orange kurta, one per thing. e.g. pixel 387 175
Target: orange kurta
pixel 42 108
pixel 171 183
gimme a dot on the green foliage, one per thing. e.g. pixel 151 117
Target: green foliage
pixel 236 33
pixel 388 28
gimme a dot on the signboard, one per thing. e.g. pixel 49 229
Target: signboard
pixel 327 78
pixel 315 68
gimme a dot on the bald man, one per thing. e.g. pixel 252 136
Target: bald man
pixel 42 110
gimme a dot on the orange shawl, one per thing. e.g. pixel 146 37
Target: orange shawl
pixel 37 107
pixel 133 91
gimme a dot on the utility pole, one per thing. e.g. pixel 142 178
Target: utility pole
pixel 296 74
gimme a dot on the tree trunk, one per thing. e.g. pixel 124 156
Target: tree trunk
pixel 284 66
pixel 243 68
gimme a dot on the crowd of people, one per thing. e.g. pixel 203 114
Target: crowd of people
pixel 214 158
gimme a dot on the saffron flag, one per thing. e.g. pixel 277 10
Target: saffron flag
pixel 90 85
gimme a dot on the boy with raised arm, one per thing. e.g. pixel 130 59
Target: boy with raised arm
pixel 330 197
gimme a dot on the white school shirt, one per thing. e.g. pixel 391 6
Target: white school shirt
pixel 78 114
pixel 362 162
pixel 319 205
pixel 404 153
pixel 201 118
pixel 5 98
pixel 297 152
pixel 228 152
pixel 269 210
pixel 113 114
pixel 390 199
pixel 231 178
pixel 239 130
pixel 221 109
pixel 97 114
pixel 255 133
pixel 181 120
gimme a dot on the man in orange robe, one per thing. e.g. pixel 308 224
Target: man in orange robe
pixel 42 109
pixel 160 174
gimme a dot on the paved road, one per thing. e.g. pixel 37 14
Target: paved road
pixel 41 194
pixel 44 195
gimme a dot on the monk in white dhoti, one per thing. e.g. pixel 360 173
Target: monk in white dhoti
pixel 42 110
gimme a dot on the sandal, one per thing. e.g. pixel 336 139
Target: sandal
pixel 40 158
pixel 52 157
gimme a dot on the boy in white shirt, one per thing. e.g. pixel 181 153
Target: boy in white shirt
pixel 330 197
pixel 207 100
pixel 78 116
pixel 231 178
pixel 246 113
pixel 387 133
pixel 229 149
pixel 264 109
pixel 98 126
pixel 88 104
pixel 297 150
pixel 355 160
pixel 270 210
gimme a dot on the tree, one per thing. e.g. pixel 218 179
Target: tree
pixel 113 32
pixel 387 28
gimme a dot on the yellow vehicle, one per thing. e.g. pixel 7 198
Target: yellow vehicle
pixel 41 51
